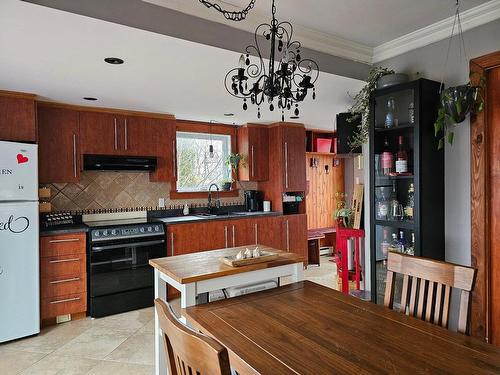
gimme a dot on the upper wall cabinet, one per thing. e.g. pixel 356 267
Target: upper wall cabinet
pixel 99 133
pixel 294 153
pixel 58 145
pixel 253 144
pixel 18 117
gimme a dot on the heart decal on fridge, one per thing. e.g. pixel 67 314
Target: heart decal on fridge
pixel 21 159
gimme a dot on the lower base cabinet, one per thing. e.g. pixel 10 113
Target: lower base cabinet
pixel 63 278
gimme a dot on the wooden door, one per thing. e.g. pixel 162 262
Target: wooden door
pixel 270 232
pixel 493 109
pixel 215 234
pixel 253 143
pixel 243 232
pixel 183 239
pixel 18 117
pixel 161 139
pixel 100 133
pixel 294 149
pixel 295 228
pixel 139 138
pixel 58 145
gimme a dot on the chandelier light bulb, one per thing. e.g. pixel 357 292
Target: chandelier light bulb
pixel 241 63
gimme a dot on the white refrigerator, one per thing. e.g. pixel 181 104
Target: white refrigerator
pixel 19 257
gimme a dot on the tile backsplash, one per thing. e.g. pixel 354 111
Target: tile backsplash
pixel 109 190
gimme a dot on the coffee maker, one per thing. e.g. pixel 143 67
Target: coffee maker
pixel 253 200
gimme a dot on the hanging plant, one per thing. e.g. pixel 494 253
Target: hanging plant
pixel 457 102
pixel 361 107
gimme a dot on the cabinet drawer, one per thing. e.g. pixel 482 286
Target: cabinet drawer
pixel 61 286
pixel 69 304
pixel 73 264
pixel 53 246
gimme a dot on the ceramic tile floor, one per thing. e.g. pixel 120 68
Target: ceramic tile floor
pixel 118 344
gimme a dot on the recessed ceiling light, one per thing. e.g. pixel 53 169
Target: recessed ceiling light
pixel 294 117
pixel 90 98
pixel 114 60
pixel 228 114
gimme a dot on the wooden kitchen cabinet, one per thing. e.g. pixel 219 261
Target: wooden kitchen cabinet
pixel 294 154
pixel 18 117
pixel 100 133
pixel 58 145
pixel 270 232
pixel 295 233
pixel 243 232
pixel 253 144
pixel 162 140
pixel 63 277
pixel 183 239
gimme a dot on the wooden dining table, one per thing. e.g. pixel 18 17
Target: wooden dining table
pixel 306 328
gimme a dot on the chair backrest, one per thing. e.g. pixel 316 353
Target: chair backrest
pixel 427 286
pixel 190 352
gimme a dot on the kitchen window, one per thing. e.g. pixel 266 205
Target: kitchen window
pixel 198 164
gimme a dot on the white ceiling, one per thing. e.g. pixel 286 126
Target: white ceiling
pixel 59 56
pixel 369 22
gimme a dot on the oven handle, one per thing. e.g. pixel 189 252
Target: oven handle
pixel 133 244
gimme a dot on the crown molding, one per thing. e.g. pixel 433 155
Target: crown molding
pixel 470 18
pixel 309 38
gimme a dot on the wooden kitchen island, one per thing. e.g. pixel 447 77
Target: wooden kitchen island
pixel 202 272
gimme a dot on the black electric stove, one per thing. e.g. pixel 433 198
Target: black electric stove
pixel 119 275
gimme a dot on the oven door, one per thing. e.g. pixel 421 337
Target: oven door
pixel 121 267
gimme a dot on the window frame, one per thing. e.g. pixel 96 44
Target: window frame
pixel 203 127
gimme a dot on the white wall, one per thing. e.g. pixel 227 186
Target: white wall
pixel 429 61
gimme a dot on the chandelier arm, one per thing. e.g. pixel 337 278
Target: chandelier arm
pixel 234 72
pixel 230 15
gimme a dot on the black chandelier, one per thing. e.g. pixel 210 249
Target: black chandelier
pixel 230 15
pixel 284 82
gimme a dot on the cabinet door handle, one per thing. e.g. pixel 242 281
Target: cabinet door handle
pixel 234 237
pixel 65 300
pixel 65 280
pixel 286 165
pixel 65 240
pixel 74 155
pixel 126 135
pixel 225 236
pixel 174 159
pixel 64 260
pixel 116 135
pixel 256 228
pixel 172 243
pixel 253 161
pixel 287 236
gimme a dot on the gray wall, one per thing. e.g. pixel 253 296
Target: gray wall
pixel 429 61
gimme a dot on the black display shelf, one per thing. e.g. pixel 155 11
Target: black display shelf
pixel 426 163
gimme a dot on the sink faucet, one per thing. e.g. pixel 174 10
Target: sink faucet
pixel 217 202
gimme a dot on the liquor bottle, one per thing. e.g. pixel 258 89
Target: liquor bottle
pixel 386 159
pixel 401 158
pixel 402 241
pixel 411 113
pixel 394 246
pixel 410 205
pixel 389 117
pixel 396 209
pixel 384 245
pixel 410 250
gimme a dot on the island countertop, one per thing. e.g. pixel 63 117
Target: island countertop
pixel 207 265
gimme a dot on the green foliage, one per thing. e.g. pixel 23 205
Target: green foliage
pixel 361 106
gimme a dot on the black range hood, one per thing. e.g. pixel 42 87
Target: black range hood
pixel 119 163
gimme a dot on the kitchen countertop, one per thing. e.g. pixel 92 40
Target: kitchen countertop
pixel 67 229
pixel 198 218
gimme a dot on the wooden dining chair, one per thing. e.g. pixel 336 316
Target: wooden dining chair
pixel 427 286
pixel 187 351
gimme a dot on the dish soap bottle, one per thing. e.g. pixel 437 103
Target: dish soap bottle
pixel 186 209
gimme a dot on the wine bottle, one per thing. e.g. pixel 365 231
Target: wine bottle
pixel 410 205
pixel 401 158
pixel 386 159
pixel 384 245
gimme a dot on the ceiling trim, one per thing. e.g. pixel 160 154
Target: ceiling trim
pixel 470 18
pixel 309 38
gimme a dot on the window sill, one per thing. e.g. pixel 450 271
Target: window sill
pixel 202 194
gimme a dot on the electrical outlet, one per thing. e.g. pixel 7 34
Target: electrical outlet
pixel 161 202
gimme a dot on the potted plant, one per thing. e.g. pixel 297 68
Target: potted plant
pixel 456 103
pixel 344 217
pixel 226 185
pixel 361 106
pixel 233 161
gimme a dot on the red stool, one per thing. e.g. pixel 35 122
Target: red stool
pixel 343 235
